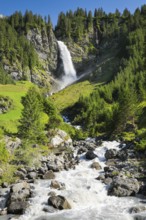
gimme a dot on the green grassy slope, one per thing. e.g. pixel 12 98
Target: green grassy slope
pixel 10 120
pixel 70 95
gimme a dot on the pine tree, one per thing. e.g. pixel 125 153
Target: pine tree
pixel 31 127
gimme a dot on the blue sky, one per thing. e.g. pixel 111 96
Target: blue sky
pixel 54 7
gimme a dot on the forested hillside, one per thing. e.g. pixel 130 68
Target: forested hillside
pixel 119 105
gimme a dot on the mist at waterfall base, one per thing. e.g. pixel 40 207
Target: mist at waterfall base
pixel 69 71
pixel 87 195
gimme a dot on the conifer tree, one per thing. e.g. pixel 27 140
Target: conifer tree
pixel 31 127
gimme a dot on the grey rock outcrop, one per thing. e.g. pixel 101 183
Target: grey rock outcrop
pixel 123 187
pixel 46 46
pixel 61 139
pixel 17 202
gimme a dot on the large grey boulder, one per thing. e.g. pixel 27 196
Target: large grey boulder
pixel 61 139
pixel 17 202
pixel 123 187
pixel 59 202
pixel 49 175
pixel 111 153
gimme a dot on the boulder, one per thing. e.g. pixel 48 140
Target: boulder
pixel 4 196
pixel 32 175
pixel 82 150
pixel 90 155
pixel 3 211
pixel 59 202
pixel 17 202
pixel 52 193
pixel 17 207
pixel 110 154
pixel 57 185
pixel 107 181
pixel 137 209
pixel 122 155
pixel 61 138
pixel 101 177
pixel 55 165
pixel 123 187
pixel 49 209
pixel 49 175
pixel 96 165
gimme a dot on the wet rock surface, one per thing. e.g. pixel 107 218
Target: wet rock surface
pixel 18 199
pixel 59 202
pixel 123 187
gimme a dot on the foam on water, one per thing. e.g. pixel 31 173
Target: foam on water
pixel 87 196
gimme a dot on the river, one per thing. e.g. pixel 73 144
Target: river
pixel 87 195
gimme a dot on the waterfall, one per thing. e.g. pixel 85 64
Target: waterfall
pixel 69 70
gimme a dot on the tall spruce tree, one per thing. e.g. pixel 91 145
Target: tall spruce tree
pixel 31 127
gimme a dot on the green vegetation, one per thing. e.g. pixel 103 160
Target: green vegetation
pixel 4 77
pixel 70 95
pixel 111 107
pixel 110 101
pixel 31 127
pixel 9 120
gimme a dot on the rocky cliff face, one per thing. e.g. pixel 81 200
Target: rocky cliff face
pixel 50 67
pixel 84 52
pixel 46 46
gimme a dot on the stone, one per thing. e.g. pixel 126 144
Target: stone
pixel 82 150
pixel 90 155
pixel 137 209
pixel 49 209
pixel 107 181
pixel 96 165
pixel 59 202
pixel 52 193
pixel 17 202
pixel 101 177
pixel 123 186
pixel 32 175
pixel 5 185
pixel 122 155
pixel 17 207
pixel 61 138
pixel 57 185
pixel 3 211
pixel 49 175
pixel 110 154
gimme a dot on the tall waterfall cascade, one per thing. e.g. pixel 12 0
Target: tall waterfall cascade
pixel 69 70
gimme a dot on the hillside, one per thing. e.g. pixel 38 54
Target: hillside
pixel 108 98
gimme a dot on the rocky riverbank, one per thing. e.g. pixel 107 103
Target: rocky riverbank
pixel 124 175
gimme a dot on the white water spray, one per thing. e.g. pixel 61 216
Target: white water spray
pixel 69 70
pixel 87 195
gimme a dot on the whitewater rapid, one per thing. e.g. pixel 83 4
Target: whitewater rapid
pixel 87 195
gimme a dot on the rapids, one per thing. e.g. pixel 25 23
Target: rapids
pixel 87 195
